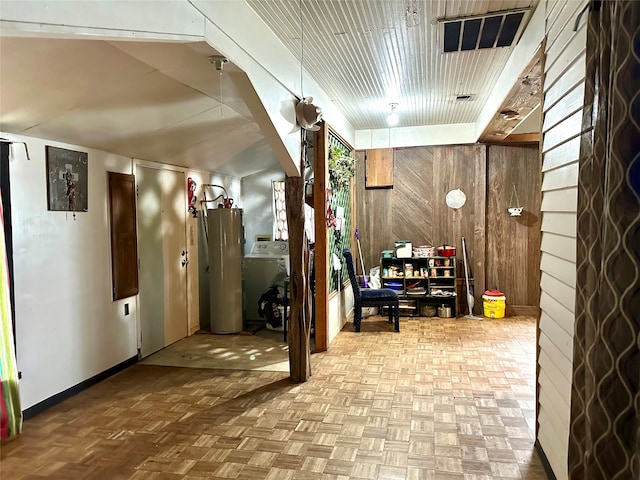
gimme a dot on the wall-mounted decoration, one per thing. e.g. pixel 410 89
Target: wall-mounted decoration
pixel 515 209
pixel 192 197
pixel 455 199
pixel 67 180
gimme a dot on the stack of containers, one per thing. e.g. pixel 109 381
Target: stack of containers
pixel 423 251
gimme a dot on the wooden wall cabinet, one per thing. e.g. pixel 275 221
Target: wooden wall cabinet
pixel 124 240
pixel 379 168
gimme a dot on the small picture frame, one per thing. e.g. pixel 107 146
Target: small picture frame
pixel 67 180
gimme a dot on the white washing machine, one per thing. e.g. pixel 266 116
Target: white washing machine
pixel 266 265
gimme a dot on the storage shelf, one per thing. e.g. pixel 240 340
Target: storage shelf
pixel 416 303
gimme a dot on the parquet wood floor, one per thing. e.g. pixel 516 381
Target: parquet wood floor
pixel 444 399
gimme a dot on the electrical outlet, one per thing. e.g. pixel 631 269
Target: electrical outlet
pixel 126 309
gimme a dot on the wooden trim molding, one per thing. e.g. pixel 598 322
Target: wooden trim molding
pixel 321 255
pixel 74 390
pixel 526 310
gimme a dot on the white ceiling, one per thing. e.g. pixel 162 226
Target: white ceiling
pixel 160 102
pixel 166 102
pixel 367 54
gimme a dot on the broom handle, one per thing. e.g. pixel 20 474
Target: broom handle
pixel 466 271
pixel 364 275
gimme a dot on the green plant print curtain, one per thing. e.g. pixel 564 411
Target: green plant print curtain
pixel 604 441
pixel 340 201
pixel 11 412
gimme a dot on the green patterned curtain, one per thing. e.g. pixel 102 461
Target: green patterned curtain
pixel 10 397
pixel 604 441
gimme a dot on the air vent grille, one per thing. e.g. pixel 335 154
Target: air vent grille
pixel 475 33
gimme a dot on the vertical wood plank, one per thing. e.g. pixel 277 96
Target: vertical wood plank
pixel 412 198
pixel 477 262
pixel 374 216
pixel 513 243
pixel 454 167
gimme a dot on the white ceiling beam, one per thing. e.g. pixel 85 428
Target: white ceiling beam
pixel 455 134
pixel 164 21
pixel 522 54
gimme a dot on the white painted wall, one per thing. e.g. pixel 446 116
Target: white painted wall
pixel 562 110
pixel 68 329
pixel 340 309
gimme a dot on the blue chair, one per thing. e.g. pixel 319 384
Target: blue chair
pixel 371 297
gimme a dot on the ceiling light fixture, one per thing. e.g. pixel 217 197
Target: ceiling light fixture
pixel 218 61
pixel 392 119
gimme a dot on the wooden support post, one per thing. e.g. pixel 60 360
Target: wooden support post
pixel 300 295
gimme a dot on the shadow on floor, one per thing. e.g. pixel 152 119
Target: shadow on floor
pixel 264 350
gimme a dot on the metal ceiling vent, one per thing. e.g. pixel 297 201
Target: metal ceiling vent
pixel 493 30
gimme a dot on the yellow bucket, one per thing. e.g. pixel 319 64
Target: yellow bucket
pixel 494 307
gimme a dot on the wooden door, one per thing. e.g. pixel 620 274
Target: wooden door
pixel 161 240
pixel 174 255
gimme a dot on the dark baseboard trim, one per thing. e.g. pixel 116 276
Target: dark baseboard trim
pixel 71 391
pixel 545 462
pixel 528 310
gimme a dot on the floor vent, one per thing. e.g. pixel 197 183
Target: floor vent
pixel 494 30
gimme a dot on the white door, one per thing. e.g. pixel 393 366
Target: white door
pixel 174 236
pixel 161 215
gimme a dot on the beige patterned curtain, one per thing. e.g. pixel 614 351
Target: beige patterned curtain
pixel 280 226
pixel 604 441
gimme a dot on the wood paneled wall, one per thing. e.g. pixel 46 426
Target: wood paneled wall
pixel 415 210
pixel 513 243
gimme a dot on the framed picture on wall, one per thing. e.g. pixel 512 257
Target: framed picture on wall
pixel 66 180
